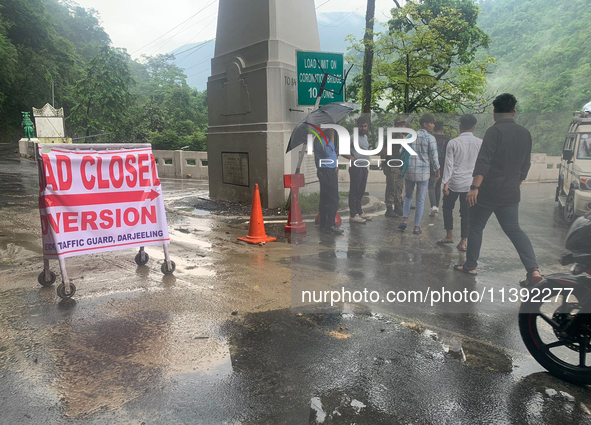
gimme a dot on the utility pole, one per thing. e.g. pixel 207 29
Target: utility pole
pixel 52 93
pixel 368 57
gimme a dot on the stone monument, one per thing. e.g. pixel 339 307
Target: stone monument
pixel 252 95
pixel 49 123
pixel 49 126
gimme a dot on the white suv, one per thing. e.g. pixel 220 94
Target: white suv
pixel 574 181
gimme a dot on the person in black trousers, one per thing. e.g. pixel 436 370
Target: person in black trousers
pixel 503 163
pixel 461 155
pixel 358 172
pixel 327 171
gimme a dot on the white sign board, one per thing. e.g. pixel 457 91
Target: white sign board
pixel 99 200
pixel 51 127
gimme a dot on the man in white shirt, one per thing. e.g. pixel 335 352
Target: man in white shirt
pixel 460 160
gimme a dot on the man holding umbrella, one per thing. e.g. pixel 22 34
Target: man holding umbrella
pixel 326 160
pixel 325 156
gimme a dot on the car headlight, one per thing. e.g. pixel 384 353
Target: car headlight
pixel 585 183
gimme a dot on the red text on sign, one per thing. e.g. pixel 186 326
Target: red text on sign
pixel 96 172
pixel 66 222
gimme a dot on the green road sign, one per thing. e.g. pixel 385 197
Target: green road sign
pixel 310 77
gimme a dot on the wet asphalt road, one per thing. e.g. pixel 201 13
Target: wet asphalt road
pixel 138 347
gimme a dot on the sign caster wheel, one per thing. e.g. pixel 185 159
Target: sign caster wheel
pixel 165 270
pixel 61 291
pixel 43 282
pixel 138 259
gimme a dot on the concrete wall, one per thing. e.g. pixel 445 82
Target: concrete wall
pixel 182 164
pixel 26 148
pixel 194 165
pixel 543 168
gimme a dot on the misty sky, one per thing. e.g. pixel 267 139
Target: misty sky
pixel 135 23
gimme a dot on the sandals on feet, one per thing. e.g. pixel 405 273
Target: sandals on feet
pixel 460 248
pixel 460 268
pixel 417 232
pixel 403 226
pixel 444 242
pixel 530 279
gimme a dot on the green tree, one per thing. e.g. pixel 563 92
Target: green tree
pixel 78 25
pixel 27 30
pixel 42 41
pixel 8 65
pixel 543 59
pixel 103 95
pixel 170 114
pixel 426 60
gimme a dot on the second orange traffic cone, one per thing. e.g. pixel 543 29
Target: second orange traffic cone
pixel 256 229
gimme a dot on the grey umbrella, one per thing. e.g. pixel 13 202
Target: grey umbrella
pixel 330 113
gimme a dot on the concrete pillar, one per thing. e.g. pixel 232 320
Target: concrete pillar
pixel 178 164
pixel 250 92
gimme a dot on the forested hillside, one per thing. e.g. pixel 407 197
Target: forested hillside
pixel 540 47
pixel 103 92
pixel 543 57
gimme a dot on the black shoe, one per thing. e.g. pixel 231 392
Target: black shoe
pixel 397 212
pixel 390 212
pixel 332 230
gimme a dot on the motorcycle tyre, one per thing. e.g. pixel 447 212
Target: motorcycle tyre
pixel 530 339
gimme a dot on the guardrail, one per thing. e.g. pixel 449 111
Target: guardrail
pixel 193 164
pixel 543 168
pixel 182 164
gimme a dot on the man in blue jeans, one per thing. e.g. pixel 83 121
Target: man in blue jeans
pixel 418 171
pixel 502 164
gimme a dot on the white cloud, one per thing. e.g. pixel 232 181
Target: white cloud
pixel 135 23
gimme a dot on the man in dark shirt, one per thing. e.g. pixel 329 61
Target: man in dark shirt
pixel 502 164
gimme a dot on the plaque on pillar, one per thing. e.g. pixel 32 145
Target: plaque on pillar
pixel 235 168
pixel 309 169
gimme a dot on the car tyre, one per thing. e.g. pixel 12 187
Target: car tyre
pixel 568 212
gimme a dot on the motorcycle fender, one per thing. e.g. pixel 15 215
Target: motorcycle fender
pixel 581 284
pixel 567 279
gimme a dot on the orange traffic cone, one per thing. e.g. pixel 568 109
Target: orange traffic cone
pixel 256 229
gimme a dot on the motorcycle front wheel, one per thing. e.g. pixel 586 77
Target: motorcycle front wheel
pixel 558 335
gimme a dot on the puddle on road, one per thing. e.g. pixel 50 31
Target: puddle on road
pixel 469 352
pixel 15 254
pixel 336 406
pixel 200 212
pixel 188 238
pixel 541 398
pixel 112 361
pixel 487 357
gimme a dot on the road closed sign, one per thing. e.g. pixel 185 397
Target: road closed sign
pixel 95 200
